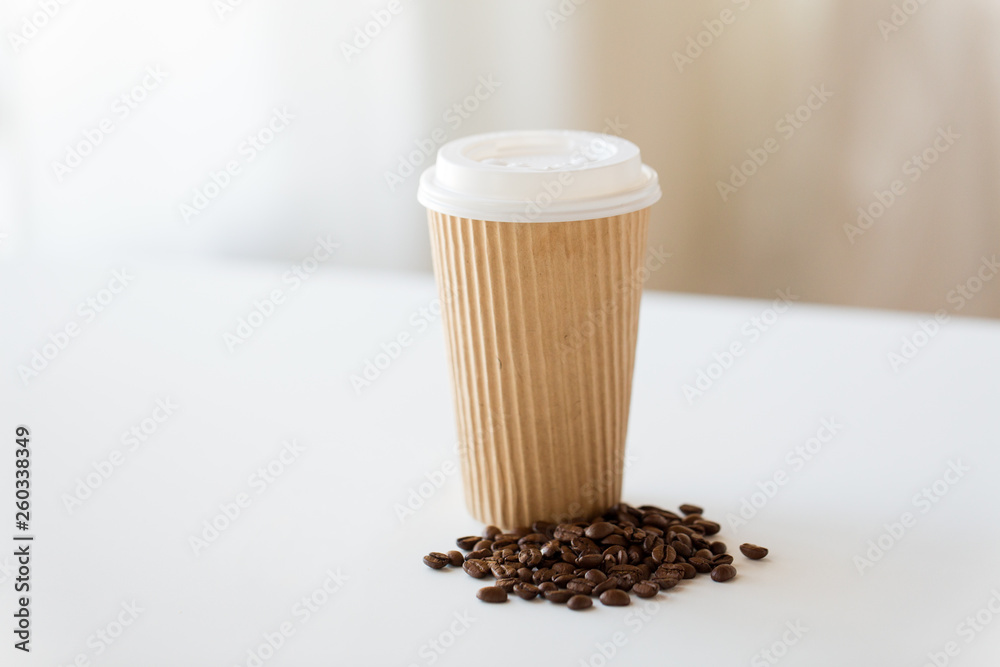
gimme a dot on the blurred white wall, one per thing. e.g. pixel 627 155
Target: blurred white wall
pixel 338 122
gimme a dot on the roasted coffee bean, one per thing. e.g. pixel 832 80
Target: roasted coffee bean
pixel 711 527
pixel 526 591
pixel 563 579
pixel 483 544
pixel 475 568
pixel 552 549
pixel 566 532
pixel 530 557
pixel 702 565
pixel 543 527
pixel 687 508
pixel 595 576
pixel 542 575
pixel 646 589
pixel 752 551
pixel 547 586
pixel 669 554
pixel 590 560
pixel 723 573
pixel 615 598
pixel 562 568
pixel 606 585
pixel 492 594
pixel 503 544
pixel 599 530
pixel 508 583
pixel 718 548
pixel 568 556
pixel 615 539
pixel 689 570
pixel 704 553
pixel 657 520
pixel 478 553
pixel 503 571
pixel 535 539
pixel 525 574
pixel 491 532
pixel 682 549
pixel 678 530
pixel 581 586
pixel 657 553
pixel 436 560
pixel 580 602
pixel 559 596
pixel 456 558
pixel 723 559
pixel 665 583
pixel 467 543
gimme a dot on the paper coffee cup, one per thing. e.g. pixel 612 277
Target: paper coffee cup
pixel 538 241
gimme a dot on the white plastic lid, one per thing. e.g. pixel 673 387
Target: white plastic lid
pixel 538 176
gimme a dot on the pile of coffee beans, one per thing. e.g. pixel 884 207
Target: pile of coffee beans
pixel 643 549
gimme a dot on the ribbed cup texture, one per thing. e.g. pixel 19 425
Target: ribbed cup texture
pixel 540 322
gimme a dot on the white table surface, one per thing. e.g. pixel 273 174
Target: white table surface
pixel 332 508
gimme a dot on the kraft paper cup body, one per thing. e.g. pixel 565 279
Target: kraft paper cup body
pixel 540 306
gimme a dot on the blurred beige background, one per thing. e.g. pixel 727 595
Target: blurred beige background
pixel 904 124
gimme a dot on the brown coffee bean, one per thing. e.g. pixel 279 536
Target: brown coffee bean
pixel 492 594
pixel 606 585
pixel 559 596
pixel 752 551
pixel 436 560
pixel 491 532
pixel 704 553
pixel 615 598
pixel 646 589
pixel 542 575
pixel 534 539
pixel 530 557
pixel 562 568
pixel 700 564
pixel 678 530
pixel 456 558
pixel 682 549
pixel 563 579
pixel 601 529
pixel 467 543
pixel 478 553
pixel 688 508
pixel 710 527
pixel 552 549
pixel 508 583
pixel 723 559
pixel 665 583
pixel 475 568
pixel 483 544
pixel 525 574
pixel 503 571
pixel 590 560
pixel 718 548
pixel 723 573
pixel 581 586
pixel 615 539
pixel 580 602
pixel 689 570
pixel 526 591
pixel 547 586
pixel 595 576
